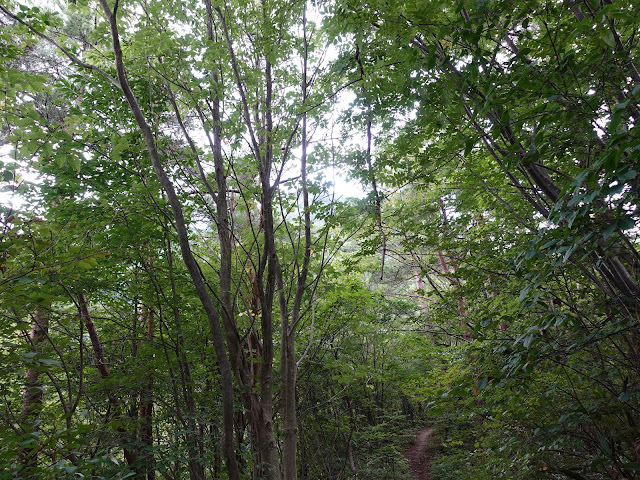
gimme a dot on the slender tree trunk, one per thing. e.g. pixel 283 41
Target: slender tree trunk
pixel 96 344
pixel 261 407
pixel 193 436
pixel 267 284
pixel 288 391
pixel 32 394
pixel 145 412
pixel 349 449
pixel 129 450
pixel 448 265
pixel 259 402
pixel 289 367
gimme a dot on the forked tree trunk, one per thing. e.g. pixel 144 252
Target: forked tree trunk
pixel 260 400
pixel 257 396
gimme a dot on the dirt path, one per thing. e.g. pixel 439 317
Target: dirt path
pixel 419 459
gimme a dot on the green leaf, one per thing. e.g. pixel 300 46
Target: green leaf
pixel 61 159
pixel 568 253
pixel 634 467
pixel 627 176
pixel 615 121
pixel 482 383
pixel 468 146
pixel 625 396
pixel 625 223
pixel 28 442
pixel 49 361
pixel 609 230
pixel 75 163
pixel 622 105
pixel 609 39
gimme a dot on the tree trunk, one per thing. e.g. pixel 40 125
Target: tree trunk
pixel 289 367
pixel 145 412
pixel 33 393
pixel 193 436
pixel 129 450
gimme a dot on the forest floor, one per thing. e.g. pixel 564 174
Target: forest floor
pixel 418 456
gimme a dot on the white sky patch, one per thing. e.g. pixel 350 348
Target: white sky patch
pixel 10 198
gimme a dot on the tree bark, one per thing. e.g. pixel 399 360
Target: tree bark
pixel 193 437
pixel 289 331
pixel 32 394
pixel 145 411
pixel 261 407
pixel 129 450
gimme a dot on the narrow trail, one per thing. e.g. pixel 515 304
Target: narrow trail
pixel 419 459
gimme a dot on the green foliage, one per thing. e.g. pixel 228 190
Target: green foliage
pixel 514 197
pixel 487 287
pixel 352 404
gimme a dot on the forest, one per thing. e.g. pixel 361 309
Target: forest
pixel 276 239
